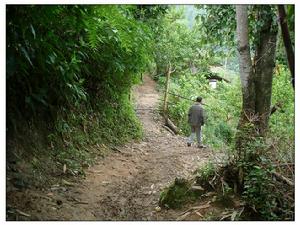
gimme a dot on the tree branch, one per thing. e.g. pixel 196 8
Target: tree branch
pixel 287 41
pixel 283 178
pixel 275 107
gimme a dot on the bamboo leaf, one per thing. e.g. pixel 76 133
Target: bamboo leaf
pixel 26 55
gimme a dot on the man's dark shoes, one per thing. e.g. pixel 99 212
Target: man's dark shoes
pixel 201 146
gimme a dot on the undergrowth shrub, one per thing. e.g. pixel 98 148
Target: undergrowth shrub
pixel 261 189
pixel 260 196
pixel 259 192
pixel 282 122
pixel 178 194
pixel 75 79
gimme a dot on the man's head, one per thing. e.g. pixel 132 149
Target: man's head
pixel 199 99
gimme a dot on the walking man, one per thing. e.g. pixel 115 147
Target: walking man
pixel 196 120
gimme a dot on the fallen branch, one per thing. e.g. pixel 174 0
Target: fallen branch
pixel 283 178
pixel 183 216
pixel 168 129
pixel 284 164
pixel 276 107
pixel 197 188
pixel 115 149
pixel 171 125
pixel 216 77
pixel 207 205
pixel 22 213
pixel 77 201
pixel 199 214
pixel 80 202
pixel 67 183
pixel 184 97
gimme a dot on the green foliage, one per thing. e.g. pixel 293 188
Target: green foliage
pixel 206 171
pixel 217 25
pixel 71 69
pixel 191 55
pixel 150 13
pixel 93 50
pixel 282 122
pixel 182 49
pixel 259 192
pixel 177 194
pixel 209 43
pixel 73 66
pixel 224 132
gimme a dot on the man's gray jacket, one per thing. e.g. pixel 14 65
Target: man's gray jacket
pixel 196 115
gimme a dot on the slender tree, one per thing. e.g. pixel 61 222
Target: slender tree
pixel 287 41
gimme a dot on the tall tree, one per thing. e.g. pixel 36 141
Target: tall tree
pixel 256 76
pixel 263 65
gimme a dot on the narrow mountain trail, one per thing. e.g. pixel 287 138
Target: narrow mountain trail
pixel 126 184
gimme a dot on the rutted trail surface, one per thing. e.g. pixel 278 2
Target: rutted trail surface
pixel 126 184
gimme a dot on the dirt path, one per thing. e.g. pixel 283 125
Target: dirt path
pixel 126 184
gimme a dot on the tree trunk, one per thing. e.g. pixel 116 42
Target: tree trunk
pixel 264 63
pixel 246 74
pixel 245 65
pixel 287 42
pixel 256 83
pixel 257 80
pixel 165 107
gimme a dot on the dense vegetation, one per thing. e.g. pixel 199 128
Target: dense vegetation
pixel 70 71
pixel 211 51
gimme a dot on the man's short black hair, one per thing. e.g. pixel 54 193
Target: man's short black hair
pixel 199 99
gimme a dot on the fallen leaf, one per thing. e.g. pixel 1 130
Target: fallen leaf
pixel 198 188
pixel 65 168
pixel 199 214
pixel 22 213
pixel 67 183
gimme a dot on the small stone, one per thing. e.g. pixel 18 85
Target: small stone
pixel 157 209
pixel 59 202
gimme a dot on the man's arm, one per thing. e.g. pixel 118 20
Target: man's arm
pixel 189 115
pixel 204 117
pixel 201 116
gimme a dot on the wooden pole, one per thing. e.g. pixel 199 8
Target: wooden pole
pixel 168 122
pixel 165 108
